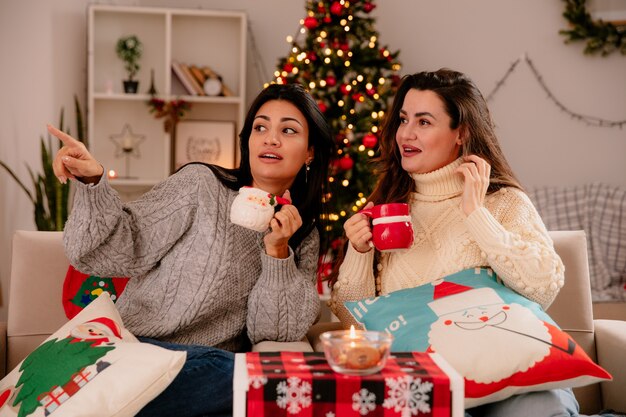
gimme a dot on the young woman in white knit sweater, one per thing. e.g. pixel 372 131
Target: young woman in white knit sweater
pixel 440 154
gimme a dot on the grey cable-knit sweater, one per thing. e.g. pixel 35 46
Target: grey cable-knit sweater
pixel 196 278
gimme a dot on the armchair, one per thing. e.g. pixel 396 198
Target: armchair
pixel 603 340
pixel 35 311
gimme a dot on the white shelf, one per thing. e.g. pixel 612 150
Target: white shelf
pixel 212 38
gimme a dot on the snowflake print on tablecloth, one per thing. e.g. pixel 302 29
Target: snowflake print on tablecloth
pixel 408 395
pixel 257 381
pixel 293 394
pixel 363 401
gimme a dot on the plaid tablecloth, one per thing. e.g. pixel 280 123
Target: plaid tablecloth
pixel 303 384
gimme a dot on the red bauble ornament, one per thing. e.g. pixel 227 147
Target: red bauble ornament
pixel 323 107
pixel 310 22
pixel 344 89
pixel 370 140
pixel 331 81
pixel 336 243
pixel 336 8
pixel 327 19
pixel 368 7
pixel 311 56
pixel 344 47
pixel 370 91
pixel 321 8
pixel 346 163
pixel 288 67
pixel 357 96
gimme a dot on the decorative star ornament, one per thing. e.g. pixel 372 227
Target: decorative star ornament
pixel 127 143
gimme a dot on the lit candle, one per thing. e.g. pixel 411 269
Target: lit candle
pixel 359 354
pixel 112 174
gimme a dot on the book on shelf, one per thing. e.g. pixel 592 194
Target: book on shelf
pixel 198 74
pixel 183 78
pixel 192 80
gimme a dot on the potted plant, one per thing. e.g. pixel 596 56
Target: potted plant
pixel 129 50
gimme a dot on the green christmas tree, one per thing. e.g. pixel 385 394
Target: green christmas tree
pixel 86 293
pixel 337 56
pixel 52 364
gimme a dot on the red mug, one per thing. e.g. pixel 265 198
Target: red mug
pixel 392 229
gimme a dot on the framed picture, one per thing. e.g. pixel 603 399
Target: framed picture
pixel 207 141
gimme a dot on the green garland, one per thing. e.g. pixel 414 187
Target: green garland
pixel 603 37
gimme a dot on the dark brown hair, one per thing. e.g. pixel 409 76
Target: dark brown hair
pixel 467 109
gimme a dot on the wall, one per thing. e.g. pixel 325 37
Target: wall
pixel 44 64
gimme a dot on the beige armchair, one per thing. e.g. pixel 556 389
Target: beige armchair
pixel 603 340
pixel 38 268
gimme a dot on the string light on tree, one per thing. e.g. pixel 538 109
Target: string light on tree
pixel 336 54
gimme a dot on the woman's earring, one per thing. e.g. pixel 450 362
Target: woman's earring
pixel 306 172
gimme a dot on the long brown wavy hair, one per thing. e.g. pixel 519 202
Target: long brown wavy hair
pixel 467 109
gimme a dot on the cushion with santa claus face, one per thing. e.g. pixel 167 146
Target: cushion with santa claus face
pixel 499 341
pixel 91 366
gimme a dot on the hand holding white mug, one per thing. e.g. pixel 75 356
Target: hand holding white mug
pixel 283 225
pixel 73 160
pixel 358 230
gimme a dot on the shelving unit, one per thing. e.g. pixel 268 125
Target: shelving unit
pixel 200 37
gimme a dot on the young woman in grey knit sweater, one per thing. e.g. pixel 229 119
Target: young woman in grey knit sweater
pixel 198 282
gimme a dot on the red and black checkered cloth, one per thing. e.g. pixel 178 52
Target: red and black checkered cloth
pixel 303 384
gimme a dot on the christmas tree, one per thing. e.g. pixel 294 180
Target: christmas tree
pixel 337 56
pixel 52 364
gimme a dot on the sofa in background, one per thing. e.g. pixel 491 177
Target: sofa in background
pixel 39 266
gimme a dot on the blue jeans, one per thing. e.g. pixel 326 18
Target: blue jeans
pixel 553 403
pixel 204 386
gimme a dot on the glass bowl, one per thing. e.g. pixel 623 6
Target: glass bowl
pixel 356 352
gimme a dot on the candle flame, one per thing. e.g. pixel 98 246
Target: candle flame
pixel 352 332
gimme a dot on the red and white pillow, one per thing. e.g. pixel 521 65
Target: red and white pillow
pixel 92 366
pixel 499 341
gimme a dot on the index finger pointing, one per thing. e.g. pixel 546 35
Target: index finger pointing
pixel 62 136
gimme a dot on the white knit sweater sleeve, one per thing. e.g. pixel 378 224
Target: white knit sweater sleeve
pixel 355 282
pixel 517 246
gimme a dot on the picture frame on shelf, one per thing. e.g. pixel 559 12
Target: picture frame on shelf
pixel 208 141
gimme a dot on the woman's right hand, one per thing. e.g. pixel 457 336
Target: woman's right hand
pixel 358 230
pixel 73 160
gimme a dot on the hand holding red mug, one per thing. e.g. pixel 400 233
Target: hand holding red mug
pixel 358 230
pixel 391 228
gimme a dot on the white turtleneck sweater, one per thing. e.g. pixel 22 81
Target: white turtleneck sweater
pixel 506 234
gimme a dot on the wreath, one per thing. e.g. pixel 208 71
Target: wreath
pixel 603 37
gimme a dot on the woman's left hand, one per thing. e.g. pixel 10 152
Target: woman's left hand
pixel 284 224
pixel 476 172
